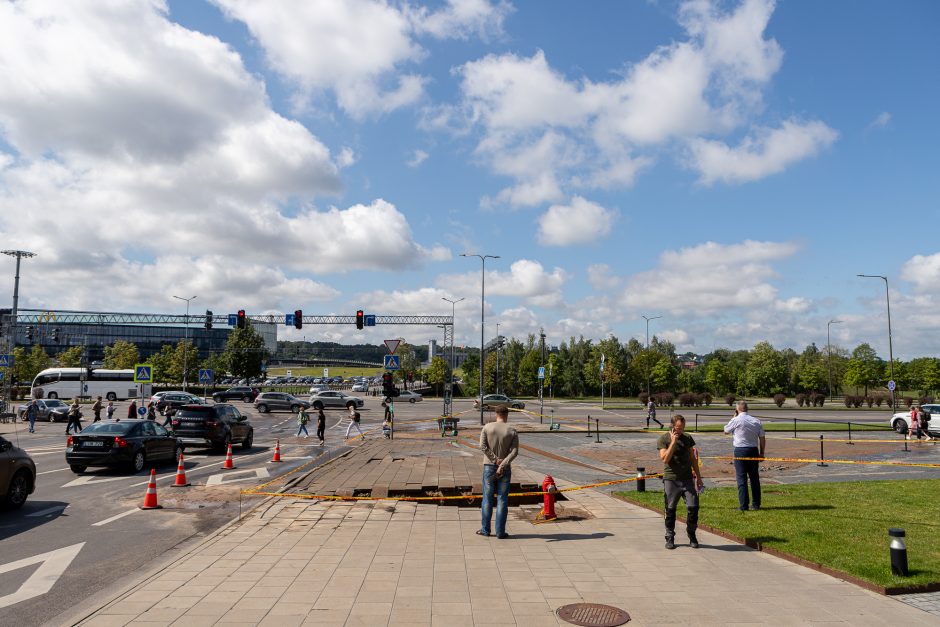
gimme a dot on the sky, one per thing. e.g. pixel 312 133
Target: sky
pixel 730 166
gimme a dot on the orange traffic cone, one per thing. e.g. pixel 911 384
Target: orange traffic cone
pixel 277 451
pixel 228 465
pixel 150 499
pixel 181 475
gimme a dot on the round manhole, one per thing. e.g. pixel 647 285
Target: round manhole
pixel 593 615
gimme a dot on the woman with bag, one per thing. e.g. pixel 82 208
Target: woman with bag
pixel 354 420
pixel 302 419
pixel 75 417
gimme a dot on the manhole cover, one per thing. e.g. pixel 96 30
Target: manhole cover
pixel 592 615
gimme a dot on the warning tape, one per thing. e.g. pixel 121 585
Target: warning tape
pixel 828 461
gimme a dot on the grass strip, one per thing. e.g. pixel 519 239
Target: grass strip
pixel 843 526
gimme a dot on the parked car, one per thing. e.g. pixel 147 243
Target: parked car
pixel 239 392
pixel 51 409
pixel 273 401
pixel 901 421
pixel 172 401
pixel 492 401
pixel 215 426
pixel 360 387
pixel 17 475
pixel 319 387
pixel 130 443
pixel 408 395
pixel 335 398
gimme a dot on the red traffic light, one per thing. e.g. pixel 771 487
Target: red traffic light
pixel 360 319
pixel 298 319
pixel 240 319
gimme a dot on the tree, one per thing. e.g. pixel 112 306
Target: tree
pixel 529 372
pixel 121 355
pixel 410 362
pixel 718 376
pixel 244 352
pixel 865 369
pixel 663 375
pixel 766 371
pixel 436 374
pixel 70 357
pixel 27 365
pixel 471 374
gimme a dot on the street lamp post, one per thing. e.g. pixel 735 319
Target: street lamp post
pixel 186 334
pixel 497 358
pixel 648 318
pixel 19 254
pixel 450 382
pixel 829 351
pixel 890 347
pixel 483 259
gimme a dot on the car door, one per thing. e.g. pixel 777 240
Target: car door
pixel 6 464
pixel 237 424
pixel 163 442
pixel 149 440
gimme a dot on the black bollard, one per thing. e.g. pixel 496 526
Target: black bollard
pixel 822 453
pixel 640 479
pixel 794 428
pixel 898 552
pixel 597 430
pixel 850 435
pixel 589 426
pixel 904 435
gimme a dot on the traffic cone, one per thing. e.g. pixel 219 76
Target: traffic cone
pixel 181 481
pixel 277 451
pixel 150 499
pixel 228 465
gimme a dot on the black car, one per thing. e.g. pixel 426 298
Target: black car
pixel 17 475
pixel 130 443
pixel 216 426
pixel 172 401
pixel 240 392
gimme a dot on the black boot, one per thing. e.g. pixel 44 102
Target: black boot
pixel 670 528
pixel 692 526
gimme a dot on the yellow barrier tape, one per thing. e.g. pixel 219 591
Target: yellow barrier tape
pixel 828 461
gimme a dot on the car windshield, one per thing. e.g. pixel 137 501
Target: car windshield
pixel 109 427
pixel 55 404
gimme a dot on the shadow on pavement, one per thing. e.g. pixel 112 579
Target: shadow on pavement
pixel 13 522
pixel 560 537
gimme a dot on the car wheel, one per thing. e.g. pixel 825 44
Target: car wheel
pixel 263 408
pixel 249 439
pixel 111 396
pixel 412 400
pixel 51 417
pixel 318 405
pixel 77 468
pixel 19 490
pixel 246 399
pixel 294 409
pixel 140 460
pixel 216 398
pixel 900 426
pixel 52 395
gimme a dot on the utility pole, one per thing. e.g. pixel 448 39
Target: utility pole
pixel 648 318
pixel 829 351
pixel 890 348
pixel 497 357
pixel 19 254
pixel 542 379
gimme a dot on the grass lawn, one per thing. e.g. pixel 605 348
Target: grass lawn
pixel 843 526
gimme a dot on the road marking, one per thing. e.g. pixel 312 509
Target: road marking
pixel 52 565
pixel 48 510
pixel 85 480
pixel 46 472
pixel 101 523
pixel 219 479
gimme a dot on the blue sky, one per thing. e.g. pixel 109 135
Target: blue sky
pixel 730 166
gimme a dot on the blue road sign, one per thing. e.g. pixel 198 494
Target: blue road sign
pixel 233 320
pixel 541 372
pixel 6 361
pixel 393 362
pixel 141 411
pixel 289 319
pixel 891 385
pixel 143 373
pixel 206 375
pixel 2 374
pixel 370 320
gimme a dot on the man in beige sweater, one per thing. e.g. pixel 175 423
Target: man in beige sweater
pixel 500 445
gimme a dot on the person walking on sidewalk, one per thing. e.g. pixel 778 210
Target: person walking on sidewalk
pixel 97 409
pixel 500 445
pixel 110 410
pixel 321 425
pixel 682 478
pixel 354 419
pixel 302 420
pixel 651 414
pixel 32 412
pixel 748 441
pixel 132 410
pixel 75 417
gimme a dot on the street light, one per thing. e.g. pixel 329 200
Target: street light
pixel 829 350
pixel 648 318
pixel 890 348
pixel 497 358
pixel 453 365
pixel 482 259
pixel 186 333
pixel 19 254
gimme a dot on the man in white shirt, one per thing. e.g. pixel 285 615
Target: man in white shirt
pixel 749 442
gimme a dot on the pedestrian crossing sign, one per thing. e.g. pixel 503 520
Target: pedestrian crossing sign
pixel 6 361
pixel 143 373
pixel 206 375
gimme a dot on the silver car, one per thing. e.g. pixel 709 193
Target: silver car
pixel 272 401
pixel 335 398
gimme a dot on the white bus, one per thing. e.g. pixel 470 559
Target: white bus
pixel 114 385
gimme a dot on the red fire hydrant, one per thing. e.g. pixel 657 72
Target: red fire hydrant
pixel 549 488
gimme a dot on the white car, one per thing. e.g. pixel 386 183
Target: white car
pixel 408 395
pixel 901 421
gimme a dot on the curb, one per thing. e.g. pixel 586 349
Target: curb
pixel 832 572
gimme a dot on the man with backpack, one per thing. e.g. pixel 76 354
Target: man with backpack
pixel 302 420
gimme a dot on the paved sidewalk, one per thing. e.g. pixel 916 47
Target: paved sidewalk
pixel 398 563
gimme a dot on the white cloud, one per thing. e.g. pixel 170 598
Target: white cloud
pixel 580 222
pixel 417 158
pixel 526 280
pixel 796 304
pixel 600 277
pixel 357 49
pixel 709 278
pixel 682 340
pixel 923 271
pixel 881 120
pixel 768 151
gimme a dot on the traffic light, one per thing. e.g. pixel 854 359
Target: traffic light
pixel 55 335
pixel 240 321
pixel 298 319
pixel 29 333
pixel 360 319
pixel 208 320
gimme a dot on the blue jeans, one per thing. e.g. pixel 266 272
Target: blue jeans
pixel 500 485
pixel 302 428
pixel 746 471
